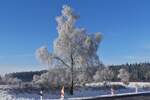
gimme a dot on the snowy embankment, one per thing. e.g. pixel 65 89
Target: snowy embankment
pixel 130 85
pixel 91 90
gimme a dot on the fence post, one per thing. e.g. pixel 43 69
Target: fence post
pixel 112 91
pixel 62 93
pixel 136 89
pixel 41 95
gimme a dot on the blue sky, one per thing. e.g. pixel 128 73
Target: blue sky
pixel 25 25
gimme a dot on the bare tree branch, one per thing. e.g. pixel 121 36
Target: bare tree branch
pixel 62 61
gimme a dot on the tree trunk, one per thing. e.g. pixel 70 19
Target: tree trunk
pixel 72 83
pixel 71 89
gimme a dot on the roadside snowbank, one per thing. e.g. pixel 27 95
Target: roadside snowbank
pixel 131 84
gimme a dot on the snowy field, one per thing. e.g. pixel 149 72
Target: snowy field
pixel 90 91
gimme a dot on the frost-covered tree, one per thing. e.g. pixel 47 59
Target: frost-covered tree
pixel 42 80
pixel 74 48
pixel 124 75
pixel 147 75
pixel 9 79
pixel 14 81
pixel 36 78
pixel 103 75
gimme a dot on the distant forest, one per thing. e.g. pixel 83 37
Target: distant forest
pixel 25 76
pixel 139 72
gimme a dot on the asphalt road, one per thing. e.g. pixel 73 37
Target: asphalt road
pixel 128 96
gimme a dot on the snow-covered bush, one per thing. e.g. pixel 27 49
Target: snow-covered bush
pixel 35 78
pixel 147 75
pixel 15 81
pixel 11 80
pixel 103 75
pixel 83 76
pixel 124 76
pixel 59 77
pixel 41 81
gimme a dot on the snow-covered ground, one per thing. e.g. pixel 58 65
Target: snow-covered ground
pixel 131 84
pixel 91 91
